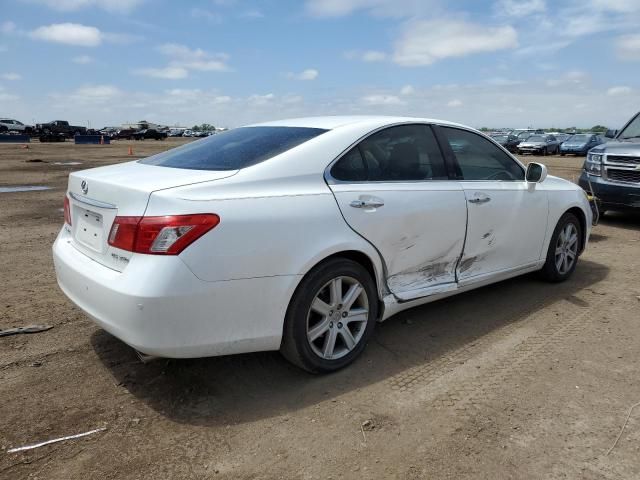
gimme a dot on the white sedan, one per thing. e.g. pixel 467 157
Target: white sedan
pixel 299 235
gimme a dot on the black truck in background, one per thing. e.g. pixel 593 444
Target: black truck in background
pixel 59 128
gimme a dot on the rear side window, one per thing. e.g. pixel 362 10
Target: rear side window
pixel 480 159
pixel 234 149
pixel 402 153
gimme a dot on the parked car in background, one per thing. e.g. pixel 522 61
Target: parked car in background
pixel 124 134
pixel 3 129
pixel 59 127
pixel 181 255
pixel 580 143
pixel 509 142
pixel 15 126
pixel 539 144
pixel 149 134
pixel 611 170
pixel 561 137
pixel 175 132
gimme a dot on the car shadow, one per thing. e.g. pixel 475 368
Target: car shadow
pixel 628 219
pixel 244 388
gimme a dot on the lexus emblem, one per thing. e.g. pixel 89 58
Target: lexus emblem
pixel 84 187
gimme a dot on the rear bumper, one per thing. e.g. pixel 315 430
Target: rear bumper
pixel 159 307
pixel 573 150
pixel 611 195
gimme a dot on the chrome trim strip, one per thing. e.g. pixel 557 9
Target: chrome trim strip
pixel 92 202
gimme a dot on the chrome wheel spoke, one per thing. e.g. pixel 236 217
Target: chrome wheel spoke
pixel 347 336
pixel 559 262
pixel 572 240
pixel 352 294
pixel 335 291
pixel 318 330
pixel 329 343
pixel 320 306
pixel 357 315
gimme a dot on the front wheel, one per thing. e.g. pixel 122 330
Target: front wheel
pixel 330 317
pixel 564 247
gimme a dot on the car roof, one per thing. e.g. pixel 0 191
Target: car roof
pixel 336 121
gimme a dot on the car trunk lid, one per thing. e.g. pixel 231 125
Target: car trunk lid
pixel 98 195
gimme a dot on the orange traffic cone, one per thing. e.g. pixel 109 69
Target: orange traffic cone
pixel 130 150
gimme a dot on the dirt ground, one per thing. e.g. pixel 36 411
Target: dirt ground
pixel 519 380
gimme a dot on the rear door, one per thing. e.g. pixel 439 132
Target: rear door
pixel 507 217
pixel 394 189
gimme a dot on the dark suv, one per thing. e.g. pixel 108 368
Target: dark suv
pixel 612 170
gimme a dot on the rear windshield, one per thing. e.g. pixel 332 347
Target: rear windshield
pixel 580 138
pixel 234 149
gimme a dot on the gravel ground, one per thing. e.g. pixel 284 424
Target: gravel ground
pixel 520 379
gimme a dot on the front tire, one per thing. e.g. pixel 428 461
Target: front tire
pixel 331 316
pixel 564 248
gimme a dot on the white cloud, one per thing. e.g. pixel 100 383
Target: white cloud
pixel 373 56
pixel 379 8
pixel 69 34
pixel 519 8
pixel 308 74
pixel 82 59
pixel 168 73
pixel 261 100
pixel 201 13
pixel 10 76
pixel 194 58
pixel 455 103
pixel 7 27
pixel 407 90
pixel 427 41
pixel 621 6
pixel 574 77
pixel 615 91
pixel 113 6
pixel 628 47
pixel 380 99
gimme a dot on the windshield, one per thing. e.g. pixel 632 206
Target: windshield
pixel 234 149
pixel 523 135
pixel 632 130
pixel 580 138
pixel 535 138
pixel 500 138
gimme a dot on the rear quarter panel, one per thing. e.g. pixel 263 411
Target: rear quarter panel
pixel 267 228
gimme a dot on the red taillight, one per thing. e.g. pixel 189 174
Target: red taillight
pixel 67 211
pixel 168 235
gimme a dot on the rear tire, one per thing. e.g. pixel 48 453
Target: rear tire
pixel 564 248
pixel 331 316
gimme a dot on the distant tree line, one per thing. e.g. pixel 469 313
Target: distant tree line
pixel 205 127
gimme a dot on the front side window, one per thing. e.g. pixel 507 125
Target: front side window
pixel 402 153
pixel 480 159
pixel 234 149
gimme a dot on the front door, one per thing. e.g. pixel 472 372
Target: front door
pixel 394 190
pixel 507 217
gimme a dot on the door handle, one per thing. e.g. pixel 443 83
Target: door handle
pixel 367 203
pixel 480 200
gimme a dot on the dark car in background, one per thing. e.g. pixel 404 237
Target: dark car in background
pixel 580 143
pixel 149 133
pixel 510 142
pixel 539 144
pixel 611 170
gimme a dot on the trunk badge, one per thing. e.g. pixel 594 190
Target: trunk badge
pixel 84 186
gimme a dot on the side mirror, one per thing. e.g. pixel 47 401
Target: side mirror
pixel 536 173
pixel 611 133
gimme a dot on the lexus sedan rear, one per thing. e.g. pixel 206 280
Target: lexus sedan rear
pixel 299 235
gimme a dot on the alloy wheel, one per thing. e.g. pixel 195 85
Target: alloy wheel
pixel 337 318
pixel 566 248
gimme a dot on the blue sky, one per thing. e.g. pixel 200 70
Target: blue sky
pixel 230 62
